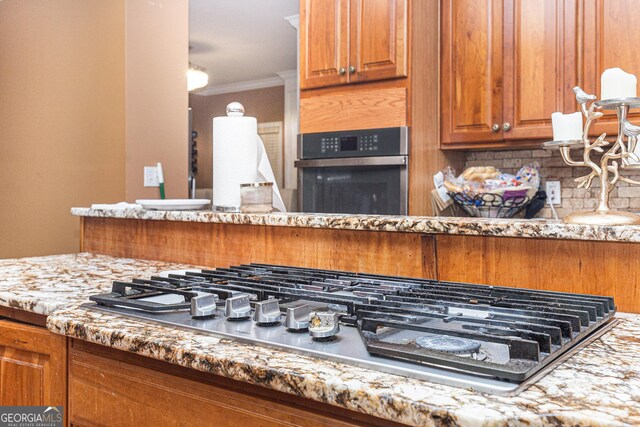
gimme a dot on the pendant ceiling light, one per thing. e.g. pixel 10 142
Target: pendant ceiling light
pixel 197 77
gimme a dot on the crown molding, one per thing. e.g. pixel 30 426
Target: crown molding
pixel 288 75
pixel 241 86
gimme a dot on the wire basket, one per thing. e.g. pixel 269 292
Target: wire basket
pixel 488 205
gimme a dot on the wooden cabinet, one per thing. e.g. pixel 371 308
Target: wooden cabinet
pixel 347 41
pixel 539 65
pixel 471 78
pixel 506 66
pixel 112 388
pixel 609 41
pixel 33 366
pixel 324 42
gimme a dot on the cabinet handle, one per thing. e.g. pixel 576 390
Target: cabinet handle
pixel 495 127
pixel 342 71
pixel 506 127
pixel 352 69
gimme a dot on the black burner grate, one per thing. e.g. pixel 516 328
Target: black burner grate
pixel 506 333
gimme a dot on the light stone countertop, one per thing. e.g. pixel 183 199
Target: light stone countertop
pixel 599 386
pixel 539 229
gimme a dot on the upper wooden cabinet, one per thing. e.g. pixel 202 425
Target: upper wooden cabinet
pixel 609 42
pixel 471 78
pixel 506 66
pixel 345 41
pixel 324 42
pixel 539 65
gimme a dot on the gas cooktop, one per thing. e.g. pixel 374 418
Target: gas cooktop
pixel 490 339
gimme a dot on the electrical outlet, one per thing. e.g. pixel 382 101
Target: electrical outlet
pixel 553 193
pixel 151 176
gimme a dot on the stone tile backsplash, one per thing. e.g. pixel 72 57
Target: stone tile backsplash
pixel 553 168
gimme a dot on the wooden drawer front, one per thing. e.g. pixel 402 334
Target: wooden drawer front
pixel 362 108
pixel 108 392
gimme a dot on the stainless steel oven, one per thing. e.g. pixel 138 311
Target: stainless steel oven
pixel 357 172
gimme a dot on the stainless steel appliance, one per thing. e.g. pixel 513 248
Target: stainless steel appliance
pixel 491 339
pixel 357 172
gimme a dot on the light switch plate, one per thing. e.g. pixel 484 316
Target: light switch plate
pixel 553 193
pixel 151 176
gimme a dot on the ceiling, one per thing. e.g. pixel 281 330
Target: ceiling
pixel 242 40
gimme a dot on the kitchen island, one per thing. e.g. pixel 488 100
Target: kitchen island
pixel 535 254
pixel 599 386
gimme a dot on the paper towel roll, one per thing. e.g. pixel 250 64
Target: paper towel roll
pixel 265 173
pixel 239 157
pixel 235 157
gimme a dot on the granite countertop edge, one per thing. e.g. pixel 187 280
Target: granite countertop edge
pixel 521 228
pixel 596 387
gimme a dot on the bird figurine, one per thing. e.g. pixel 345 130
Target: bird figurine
pixel 583 97
pixel 632 131
pixel 629 129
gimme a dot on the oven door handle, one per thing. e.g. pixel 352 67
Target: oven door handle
pixel 353 161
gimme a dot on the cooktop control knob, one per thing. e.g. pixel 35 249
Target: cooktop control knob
pixel 267 312
pixel 323 325
pixel 204 306
pixel 298 318
pixel 237 307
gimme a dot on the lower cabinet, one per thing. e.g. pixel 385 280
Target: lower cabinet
pixel 112 388
pixel 33 366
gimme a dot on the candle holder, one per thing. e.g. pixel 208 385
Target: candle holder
pixel 619 156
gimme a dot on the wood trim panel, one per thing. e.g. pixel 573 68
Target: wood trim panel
pixel 102 381
pixel 599 268
pixel 359 108
pixel 511 144
pixel 23 316
pixel 221 245
pixel 425 157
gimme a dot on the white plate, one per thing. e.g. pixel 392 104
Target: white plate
pixel 174 204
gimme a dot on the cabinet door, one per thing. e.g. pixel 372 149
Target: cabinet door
pixel 610 40
pixel 539 65
pixel 104 391
pixel 33 366
pixel 471 71
pixel 378 34
pixel 324 43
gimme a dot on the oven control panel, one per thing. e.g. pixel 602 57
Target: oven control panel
pixel 360 143
pixel 350 143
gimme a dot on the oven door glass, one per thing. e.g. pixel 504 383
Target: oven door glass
pixel 355 189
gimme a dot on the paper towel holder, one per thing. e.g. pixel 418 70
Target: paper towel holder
pixel 235 109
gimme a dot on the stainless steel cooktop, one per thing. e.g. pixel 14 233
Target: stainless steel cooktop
pixel 490 339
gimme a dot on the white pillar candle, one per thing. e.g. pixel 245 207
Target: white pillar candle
pixel 615 83
pixel 567 127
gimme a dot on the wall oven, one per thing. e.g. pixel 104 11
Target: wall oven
pixel 356 172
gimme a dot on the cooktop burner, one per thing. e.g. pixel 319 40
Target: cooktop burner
pixel 446 344
pixel 491 339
